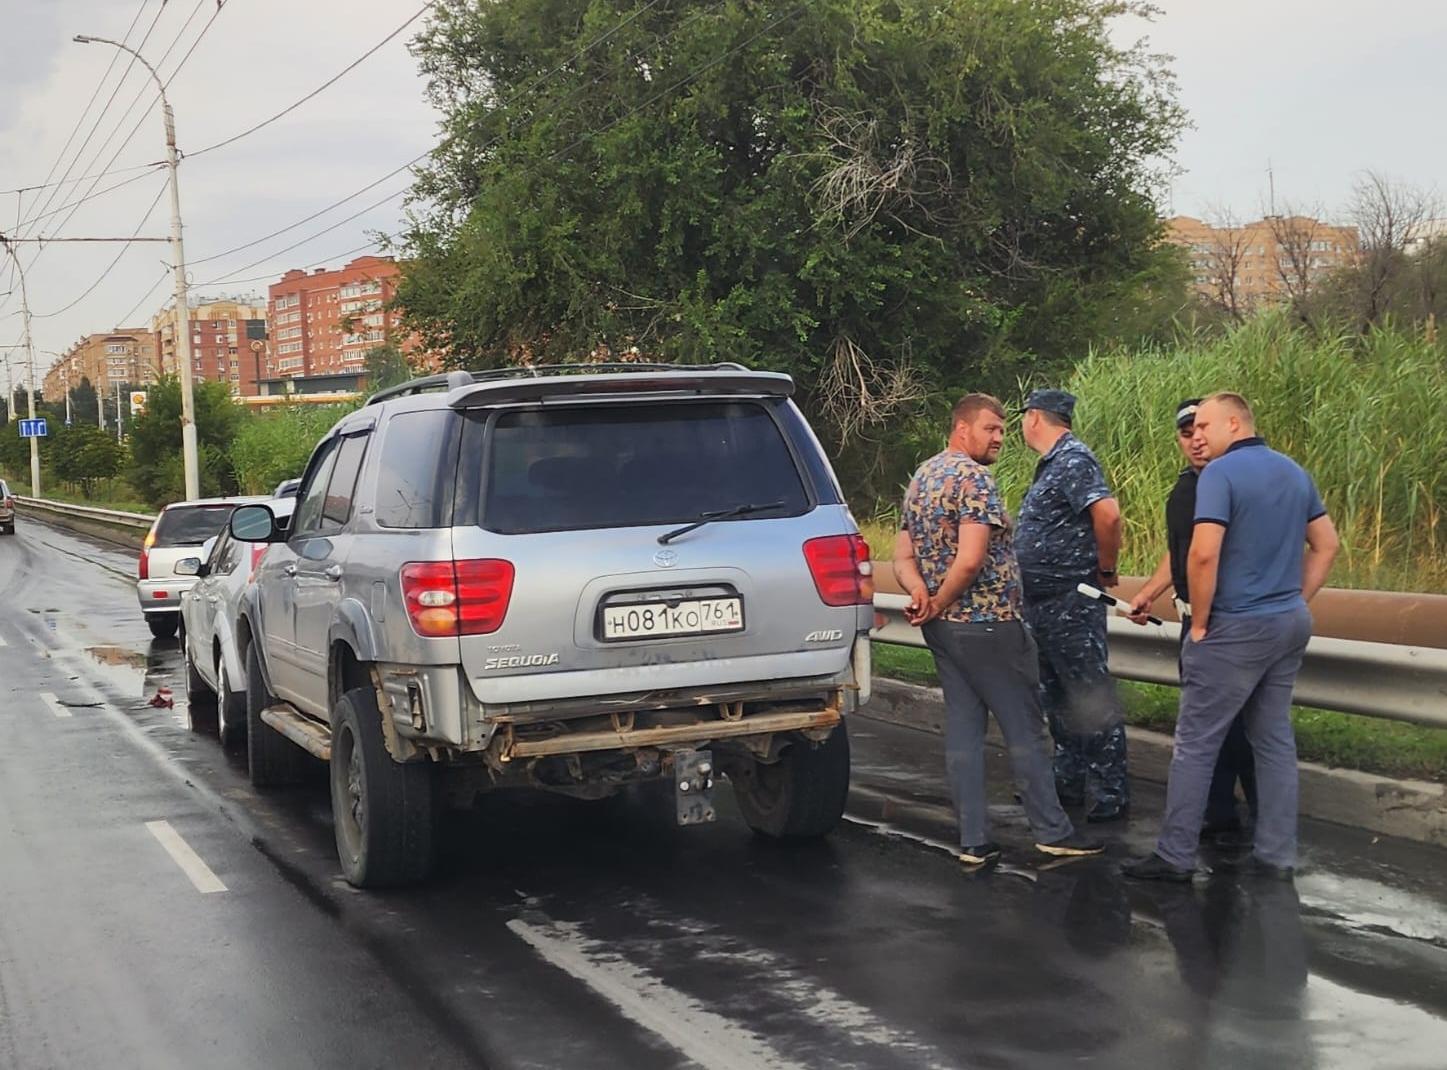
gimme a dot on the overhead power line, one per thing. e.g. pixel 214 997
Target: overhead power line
pixel 319 89
pixel 75 205
pixel 422 156
pixel 100 115
pixel 111 266
pixel 80 119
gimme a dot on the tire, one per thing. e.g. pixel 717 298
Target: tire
pixel 163 625
pixel 200 699
pixel 802 795
pixel 230 710
pixel 383 810
pixel 272 760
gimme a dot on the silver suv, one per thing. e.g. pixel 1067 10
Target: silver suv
pixel 575 578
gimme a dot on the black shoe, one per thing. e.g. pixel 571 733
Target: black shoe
pixel 1267 871
pixel 1251 866
pixel 1101 815
pixel 1155 868
pixel 1073 846
pixel 980 853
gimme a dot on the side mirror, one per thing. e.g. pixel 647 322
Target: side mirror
pixel 253 523
pixel 188 566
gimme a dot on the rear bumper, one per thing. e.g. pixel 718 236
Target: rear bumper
pixel 7 517
pixel 162 596
pixel 434 706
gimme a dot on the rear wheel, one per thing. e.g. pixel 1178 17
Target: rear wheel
pixel 163 625
pixel 271 758
pixel 200 699
pixel 802 795
pixel 231 710
pixel 383 810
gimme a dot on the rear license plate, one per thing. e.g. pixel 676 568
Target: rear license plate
pixel 657 620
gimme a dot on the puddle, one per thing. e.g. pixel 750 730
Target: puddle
pixel 118 655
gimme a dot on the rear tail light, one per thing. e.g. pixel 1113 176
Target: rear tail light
pixel 446 598
pixel 841 568
pixel 143 568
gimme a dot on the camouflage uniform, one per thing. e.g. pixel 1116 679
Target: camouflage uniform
pixel 1055 543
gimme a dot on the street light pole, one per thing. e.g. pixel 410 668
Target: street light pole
pixel 30 356
pixel 178 255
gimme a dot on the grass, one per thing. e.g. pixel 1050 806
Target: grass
pixel 1343 740
pixel 109 493
pixel 1363 415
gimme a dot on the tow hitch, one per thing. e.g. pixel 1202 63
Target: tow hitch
pixel 693 785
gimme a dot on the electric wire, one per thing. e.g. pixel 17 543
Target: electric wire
pixel 111 266
pixel 319 89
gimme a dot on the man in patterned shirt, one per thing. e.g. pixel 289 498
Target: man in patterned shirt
pixel 954 558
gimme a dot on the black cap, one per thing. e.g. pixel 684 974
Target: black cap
pixel 1186 412
pixel 1059 402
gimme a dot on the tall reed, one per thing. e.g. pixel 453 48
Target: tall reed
pixel 1366 416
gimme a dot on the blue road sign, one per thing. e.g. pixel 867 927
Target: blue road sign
pixel 33 428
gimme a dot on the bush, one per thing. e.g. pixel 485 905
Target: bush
pixel 272 446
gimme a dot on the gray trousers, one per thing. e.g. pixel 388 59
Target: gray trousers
pixel 1245 665
pixel 986 668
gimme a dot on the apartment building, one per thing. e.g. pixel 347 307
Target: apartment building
pixel 224 334
pixel 325 322
pixel 1270 259
pixel 124 357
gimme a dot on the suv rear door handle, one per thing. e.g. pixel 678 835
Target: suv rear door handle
pixel 334 572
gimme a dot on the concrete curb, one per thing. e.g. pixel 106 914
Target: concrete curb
pixel 1411 809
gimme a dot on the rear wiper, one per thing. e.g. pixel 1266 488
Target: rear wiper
pixel 718 514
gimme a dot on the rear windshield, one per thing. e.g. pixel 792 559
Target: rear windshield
pixel 558 470
pixel 191 525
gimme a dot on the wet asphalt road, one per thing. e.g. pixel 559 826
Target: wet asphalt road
pixel 559 934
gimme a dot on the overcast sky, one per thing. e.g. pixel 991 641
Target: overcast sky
pixel 1320 89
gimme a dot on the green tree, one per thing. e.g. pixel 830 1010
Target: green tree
pixel 82 454
pixel 83 403
pixel 156 470
pixel 884 198
pixel 386 366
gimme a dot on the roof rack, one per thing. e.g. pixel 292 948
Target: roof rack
pixel 443 381
pixel 453 380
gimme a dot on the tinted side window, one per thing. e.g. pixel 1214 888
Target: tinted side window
pixel 309 507
pixel 337 506
pixel 413 477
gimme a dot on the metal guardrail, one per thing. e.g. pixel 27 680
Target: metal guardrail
pixel 1397 683
pixel 129 529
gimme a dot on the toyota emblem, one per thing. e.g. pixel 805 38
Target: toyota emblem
pixel 665 558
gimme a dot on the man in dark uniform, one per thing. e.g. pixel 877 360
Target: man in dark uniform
pixel 1069 533
pixel 1235 761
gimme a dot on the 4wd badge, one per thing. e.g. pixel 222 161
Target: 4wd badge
pixel 829 635
pixel 666 558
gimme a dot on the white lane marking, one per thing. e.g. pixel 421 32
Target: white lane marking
pixel 3 642
pixel 189 861
pixel 774 976
pixel 54 704
pixel 708 1039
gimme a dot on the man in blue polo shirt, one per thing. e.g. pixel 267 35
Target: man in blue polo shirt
pixel 1262 548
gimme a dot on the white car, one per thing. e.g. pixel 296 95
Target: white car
pixel 215 673
pixel 181 531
